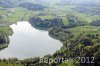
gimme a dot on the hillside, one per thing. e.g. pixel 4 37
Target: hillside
pixel 75 23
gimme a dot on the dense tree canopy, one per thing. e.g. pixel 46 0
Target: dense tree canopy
pixel 5 32
pixel 47 23
pixel 32 6
pixel 96 23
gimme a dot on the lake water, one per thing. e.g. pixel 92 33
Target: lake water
pixel 28 42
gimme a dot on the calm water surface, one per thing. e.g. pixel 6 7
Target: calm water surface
pixel 27 42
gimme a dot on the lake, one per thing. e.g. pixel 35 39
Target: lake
pixel 28 42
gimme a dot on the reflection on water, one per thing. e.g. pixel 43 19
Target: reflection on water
pixel 27 42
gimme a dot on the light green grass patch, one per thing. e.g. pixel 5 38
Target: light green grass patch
pixel 85 29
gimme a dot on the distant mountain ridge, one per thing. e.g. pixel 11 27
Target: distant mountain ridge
pixel 7 3
pixel 11 3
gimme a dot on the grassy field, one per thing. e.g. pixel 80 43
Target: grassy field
pixel 85 29
pixel 88 18
pixel 65 64
pixel 6 30
pixel 16 14
pixel 5 64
